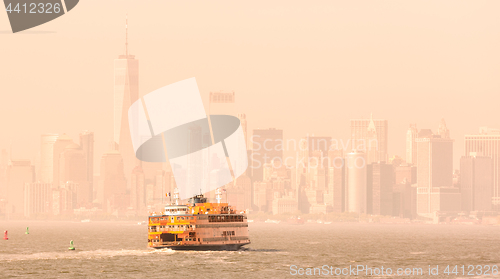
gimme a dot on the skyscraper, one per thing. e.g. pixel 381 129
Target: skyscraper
pixel 126 92
pixel 336 188
pixel 19 172
pixel 137 190
pixel 318 143
pixel 112 182
pixel 370 136
pixel 336 180
pixel 47 157
pixel 476 181
pixel 267 145
pixel 73 171
pixel 434 162
pixel 356 182
pixel 435 176
pixel 37 196
pixel 443 130
pixel 222 103
pixel 411 145
pixel 239 193
pixel 320 147
pixel 87 145
pixel 60 145
pixel 72 164
pixel 380 183
pixel 487 143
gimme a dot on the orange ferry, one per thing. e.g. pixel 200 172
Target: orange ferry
pixel 198 226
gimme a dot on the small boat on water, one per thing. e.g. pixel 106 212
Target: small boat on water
pixel 272 221
pixel 295 221
pixel 464 220
pixel 85 220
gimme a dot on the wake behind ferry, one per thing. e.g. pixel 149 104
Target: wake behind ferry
pixel 199 225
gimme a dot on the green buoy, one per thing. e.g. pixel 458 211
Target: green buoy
pixel 71 247
pixel 27 230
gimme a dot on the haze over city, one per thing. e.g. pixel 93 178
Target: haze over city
pixel 306 68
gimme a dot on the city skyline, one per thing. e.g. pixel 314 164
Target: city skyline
pixel 324 81
pixel 123 180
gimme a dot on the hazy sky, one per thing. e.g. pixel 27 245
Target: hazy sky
pixel 303 66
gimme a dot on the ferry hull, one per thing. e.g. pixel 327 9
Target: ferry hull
pixel 211 247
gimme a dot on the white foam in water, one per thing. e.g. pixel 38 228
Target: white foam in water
pixel 77 254
pixel 96 254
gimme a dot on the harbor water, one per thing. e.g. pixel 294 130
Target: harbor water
pixel 119 250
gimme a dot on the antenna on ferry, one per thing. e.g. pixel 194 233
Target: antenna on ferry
pixel 218 195
pixel 170 196
pixel 176 196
